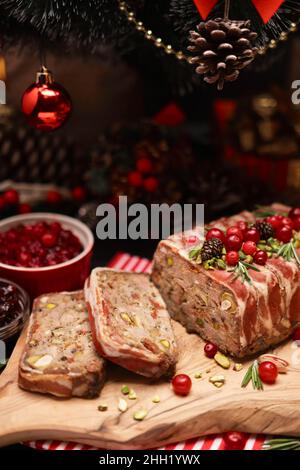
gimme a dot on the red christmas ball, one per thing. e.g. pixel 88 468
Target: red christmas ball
pixel 79 193
pixel 46 104
pixel 53 197
pixel 151 184
pixel 135 179
pixel 144 165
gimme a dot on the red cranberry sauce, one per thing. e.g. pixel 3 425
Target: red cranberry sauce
pixel 38 245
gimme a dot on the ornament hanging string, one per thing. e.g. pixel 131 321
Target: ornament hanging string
pixel 266 9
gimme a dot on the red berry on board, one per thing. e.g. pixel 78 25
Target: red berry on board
pixel 287 221
pixel 25 208
pixel 151 184
pixel 235 440
pixel 144 165
pixel 275 221
pixel 252 235
pixel 284 233
pixel 294 212
pixel 11 197
pixel 181 384
pixel 296 221
pixel 49 239
pixel 210 350
pixel 296 334
pixel 135 179
pixel 235 231
pixel 260 257
pixel 79 193
pixel 215 233
pixel 53 197
pixel 232 258
pixel 268 372
pixel 2 203
pixel 233 243
pixel 249 248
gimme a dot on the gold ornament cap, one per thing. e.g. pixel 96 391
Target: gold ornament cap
pixel 44 76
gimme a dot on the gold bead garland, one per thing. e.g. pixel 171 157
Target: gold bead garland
pixel 169 49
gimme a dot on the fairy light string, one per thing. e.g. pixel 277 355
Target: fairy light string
pixel 180 55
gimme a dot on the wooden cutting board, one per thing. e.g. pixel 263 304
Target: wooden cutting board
pixel 206 410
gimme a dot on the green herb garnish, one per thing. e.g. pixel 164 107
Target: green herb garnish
pixel 288 252
pixel 241 271
pixel 252 374
pixel 282 444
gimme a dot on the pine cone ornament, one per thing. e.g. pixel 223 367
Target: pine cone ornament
pixel 211 249
pixel 265 229
pixel 223 48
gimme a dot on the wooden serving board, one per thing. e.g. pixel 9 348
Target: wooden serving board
pixel 206 410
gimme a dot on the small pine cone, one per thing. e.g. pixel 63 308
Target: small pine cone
pixel 211 249
pixel 265 229
pixel 222 48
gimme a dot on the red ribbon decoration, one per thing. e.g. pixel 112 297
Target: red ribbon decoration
pixel 266 8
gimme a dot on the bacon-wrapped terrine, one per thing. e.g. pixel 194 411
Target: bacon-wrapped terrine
pixel 59 357
pixel 130 323
pixel 240 314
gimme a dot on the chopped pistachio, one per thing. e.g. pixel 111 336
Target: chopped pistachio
pixel 221 264
pixel 217 380
pixel 237 367
pixel 50 306
pixel 102 407
pixel 198 375
pixel 165 343
pixel 140 415
pixel 132 395
pixel 170 261
pixel 122 405
pixel 200 322
pixel 222 360
pixel 218 384
pixel 156 399
pixel 125 389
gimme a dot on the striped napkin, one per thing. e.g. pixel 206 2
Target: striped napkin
pixel 127 262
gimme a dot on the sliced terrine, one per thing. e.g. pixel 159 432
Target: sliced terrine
pixel 242 312
pixel 130 324
pixel 59 357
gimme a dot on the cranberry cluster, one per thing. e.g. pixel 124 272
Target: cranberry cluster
pixel 38 245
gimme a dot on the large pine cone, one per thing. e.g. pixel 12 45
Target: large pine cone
pixel 223 48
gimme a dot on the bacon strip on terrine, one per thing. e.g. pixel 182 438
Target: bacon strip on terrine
pixel 241 318
pixel 130 324
pixel 59 357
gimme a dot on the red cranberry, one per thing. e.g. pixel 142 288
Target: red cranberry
pixel 49 239
pixel 274 221
pixel 151 184
pixel 181 384
pixel 233 243
pixel 135 179
pixel 24 258
pixel 252 235
pixel 260 257
pixel 296 334
pixel 243 226
pixel 287 221
pixel 296 222
pixel 144 165
pixel 215 233
pixel 25 208
pixel 232 258
pixel 53 197
pixel 284 233
pixel 79 193
pixel 11 197
pixel 210 350
pixel 235 440
pixel 192 240
pixel 235 231
pixel 268 372
pixel 249 248
pixel 55 227
pixel 295 212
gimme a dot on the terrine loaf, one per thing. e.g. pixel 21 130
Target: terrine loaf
pixel 59 356
pixel 242 309
pixel 130 323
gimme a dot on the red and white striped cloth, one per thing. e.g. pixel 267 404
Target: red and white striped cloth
pixel 127 262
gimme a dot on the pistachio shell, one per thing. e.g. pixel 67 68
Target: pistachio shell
pixel 140 415
pixel 222 360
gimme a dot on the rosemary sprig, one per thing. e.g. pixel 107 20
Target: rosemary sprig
pixel 263 211
pixel 288 252
pixel 252 374
pixel 241 270
pixel 282 444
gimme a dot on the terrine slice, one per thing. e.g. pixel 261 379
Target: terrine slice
pixel 241 318
pixel 130 324
pixel 59 357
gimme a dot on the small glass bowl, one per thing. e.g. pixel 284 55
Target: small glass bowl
pixel 12 328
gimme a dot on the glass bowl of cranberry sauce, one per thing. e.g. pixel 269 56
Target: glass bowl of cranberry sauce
pixel 45 252
pixel 14 308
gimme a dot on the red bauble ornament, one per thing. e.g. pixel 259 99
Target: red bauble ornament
pixel 151 184
pixel 53 197
pixel 135 179
pixel 79 193
pixel 46 104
